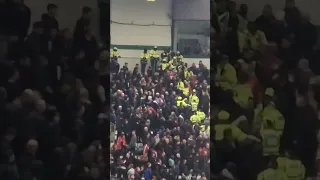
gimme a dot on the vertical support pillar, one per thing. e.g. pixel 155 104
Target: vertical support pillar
pixel 173 26
pixel 175 37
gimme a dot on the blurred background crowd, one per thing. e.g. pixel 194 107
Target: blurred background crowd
pixel 264 93
pixel 53 102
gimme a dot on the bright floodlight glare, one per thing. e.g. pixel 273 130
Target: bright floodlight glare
pixel 151 0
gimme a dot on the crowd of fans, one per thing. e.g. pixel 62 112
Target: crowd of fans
pixel 53 106
pixel 265 93
pixel 159 112
pixel 54 115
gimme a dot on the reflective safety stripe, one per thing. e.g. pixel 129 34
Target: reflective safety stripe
pixel 194 106
pixel 271 143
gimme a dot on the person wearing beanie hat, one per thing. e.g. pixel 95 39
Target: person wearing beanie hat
pixel 171 162
pixel 268 110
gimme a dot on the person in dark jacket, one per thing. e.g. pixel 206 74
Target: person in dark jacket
pixel 243 11
pixel 33 43
pixel 3 17
pixel 18 25
pixel 5 145
pixel 265 22
pixel 147 174
pixel 19 20
pixel 83 22
pixel 300 133
pixel 49 19
pixel 89 45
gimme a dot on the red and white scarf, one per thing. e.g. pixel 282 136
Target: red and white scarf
pixel 145 149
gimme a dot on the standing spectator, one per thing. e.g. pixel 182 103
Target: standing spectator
pixel 265 22
pixel 83 23
pixel 49 19
pixel 19 19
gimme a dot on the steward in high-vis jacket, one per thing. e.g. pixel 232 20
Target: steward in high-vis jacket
pixel 154 58
pixel 144 58
pixel 270 139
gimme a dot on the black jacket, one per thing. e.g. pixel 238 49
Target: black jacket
pixel 4 20
pixel 49 22
pixel 81 25
pixel 19 19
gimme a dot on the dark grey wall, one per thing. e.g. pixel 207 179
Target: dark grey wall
pixel 191 9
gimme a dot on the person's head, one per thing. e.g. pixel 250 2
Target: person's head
pixel 71 148
pixel 10 134
pixel 56 118
pixel 223 116
pixel 252 27
pixel 83 95
pixel 86 12
pixel 145 51
pixel 243 9
pixel 290 3
pixel 303 64
pixel 37 27
pixel 155 48
pixel 267 10
pixel 52 10
pixel 232 7
pixel 40 106
pixel 115 49
pixel 32 146
pixel 207 145
pixel 27 96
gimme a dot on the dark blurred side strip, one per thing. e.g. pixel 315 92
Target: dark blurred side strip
pixel 104 6
pixel 104 64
